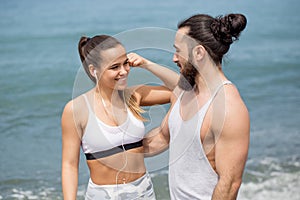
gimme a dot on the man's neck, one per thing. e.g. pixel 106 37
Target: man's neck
pixel 209 79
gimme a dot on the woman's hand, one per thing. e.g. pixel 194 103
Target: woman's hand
pixel 136 60
pixel 168 76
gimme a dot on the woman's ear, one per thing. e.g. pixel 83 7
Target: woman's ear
pixel 199 52
pixel 92 70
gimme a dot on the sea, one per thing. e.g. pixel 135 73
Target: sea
pixel 41 71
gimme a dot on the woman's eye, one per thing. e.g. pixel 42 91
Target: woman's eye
pixel 114 67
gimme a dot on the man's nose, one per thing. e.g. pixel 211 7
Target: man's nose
pixel 175 58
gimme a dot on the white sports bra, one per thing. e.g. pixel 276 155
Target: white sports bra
pixel 101 140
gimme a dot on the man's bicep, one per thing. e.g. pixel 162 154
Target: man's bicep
pixel 232 145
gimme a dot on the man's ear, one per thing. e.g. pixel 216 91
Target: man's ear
pixel 199 52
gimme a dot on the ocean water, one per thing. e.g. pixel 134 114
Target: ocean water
pixel 40 65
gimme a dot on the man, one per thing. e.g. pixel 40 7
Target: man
pixel 207 127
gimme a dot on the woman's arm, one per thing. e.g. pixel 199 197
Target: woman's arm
pixel 169 77
pixel 147 95
pixel 70 153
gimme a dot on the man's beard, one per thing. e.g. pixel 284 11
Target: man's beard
pixel 187 77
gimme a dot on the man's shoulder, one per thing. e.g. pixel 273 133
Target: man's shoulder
pixel 233 97
pixel 235 107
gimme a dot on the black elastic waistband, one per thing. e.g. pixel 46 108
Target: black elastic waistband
pixel 118 149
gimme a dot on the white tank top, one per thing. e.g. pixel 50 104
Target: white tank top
pixel 101 140
pixel 190 173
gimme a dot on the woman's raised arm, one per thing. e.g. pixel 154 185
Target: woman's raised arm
pixel 169 77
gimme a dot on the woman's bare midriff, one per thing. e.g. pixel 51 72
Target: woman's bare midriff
pixel 117 169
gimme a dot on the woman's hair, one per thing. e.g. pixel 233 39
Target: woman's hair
pixel 90 54
pixel 90 51
pixel 215 34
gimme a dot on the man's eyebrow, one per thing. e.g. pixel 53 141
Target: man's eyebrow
pixel 175 46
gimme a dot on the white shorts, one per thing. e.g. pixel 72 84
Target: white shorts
pixel 142 188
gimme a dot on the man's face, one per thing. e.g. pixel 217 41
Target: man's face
pixel 183 59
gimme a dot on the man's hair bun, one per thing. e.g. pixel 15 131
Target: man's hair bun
pixel 226 29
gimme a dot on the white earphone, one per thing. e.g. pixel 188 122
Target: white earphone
pixel 123 148
pixel 95 74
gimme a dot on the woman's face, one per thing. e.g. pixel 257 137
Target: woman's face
pixel 114 68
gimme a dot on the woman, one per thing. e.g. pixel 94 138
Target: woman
pixel 106 122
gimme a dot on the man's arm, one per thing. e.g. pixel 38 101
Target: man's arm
pixel 231 148
pixel 157 140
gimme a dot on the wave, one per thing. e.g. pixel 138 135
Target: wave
pixel 281 186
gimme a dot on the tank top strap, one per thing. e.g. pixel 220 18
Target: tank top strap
pixel 217 90
pixel 220 86
pixel 180 95
pixel 87 103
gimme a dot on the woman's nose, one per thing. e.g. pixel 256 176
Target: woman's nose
pixel 124 70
